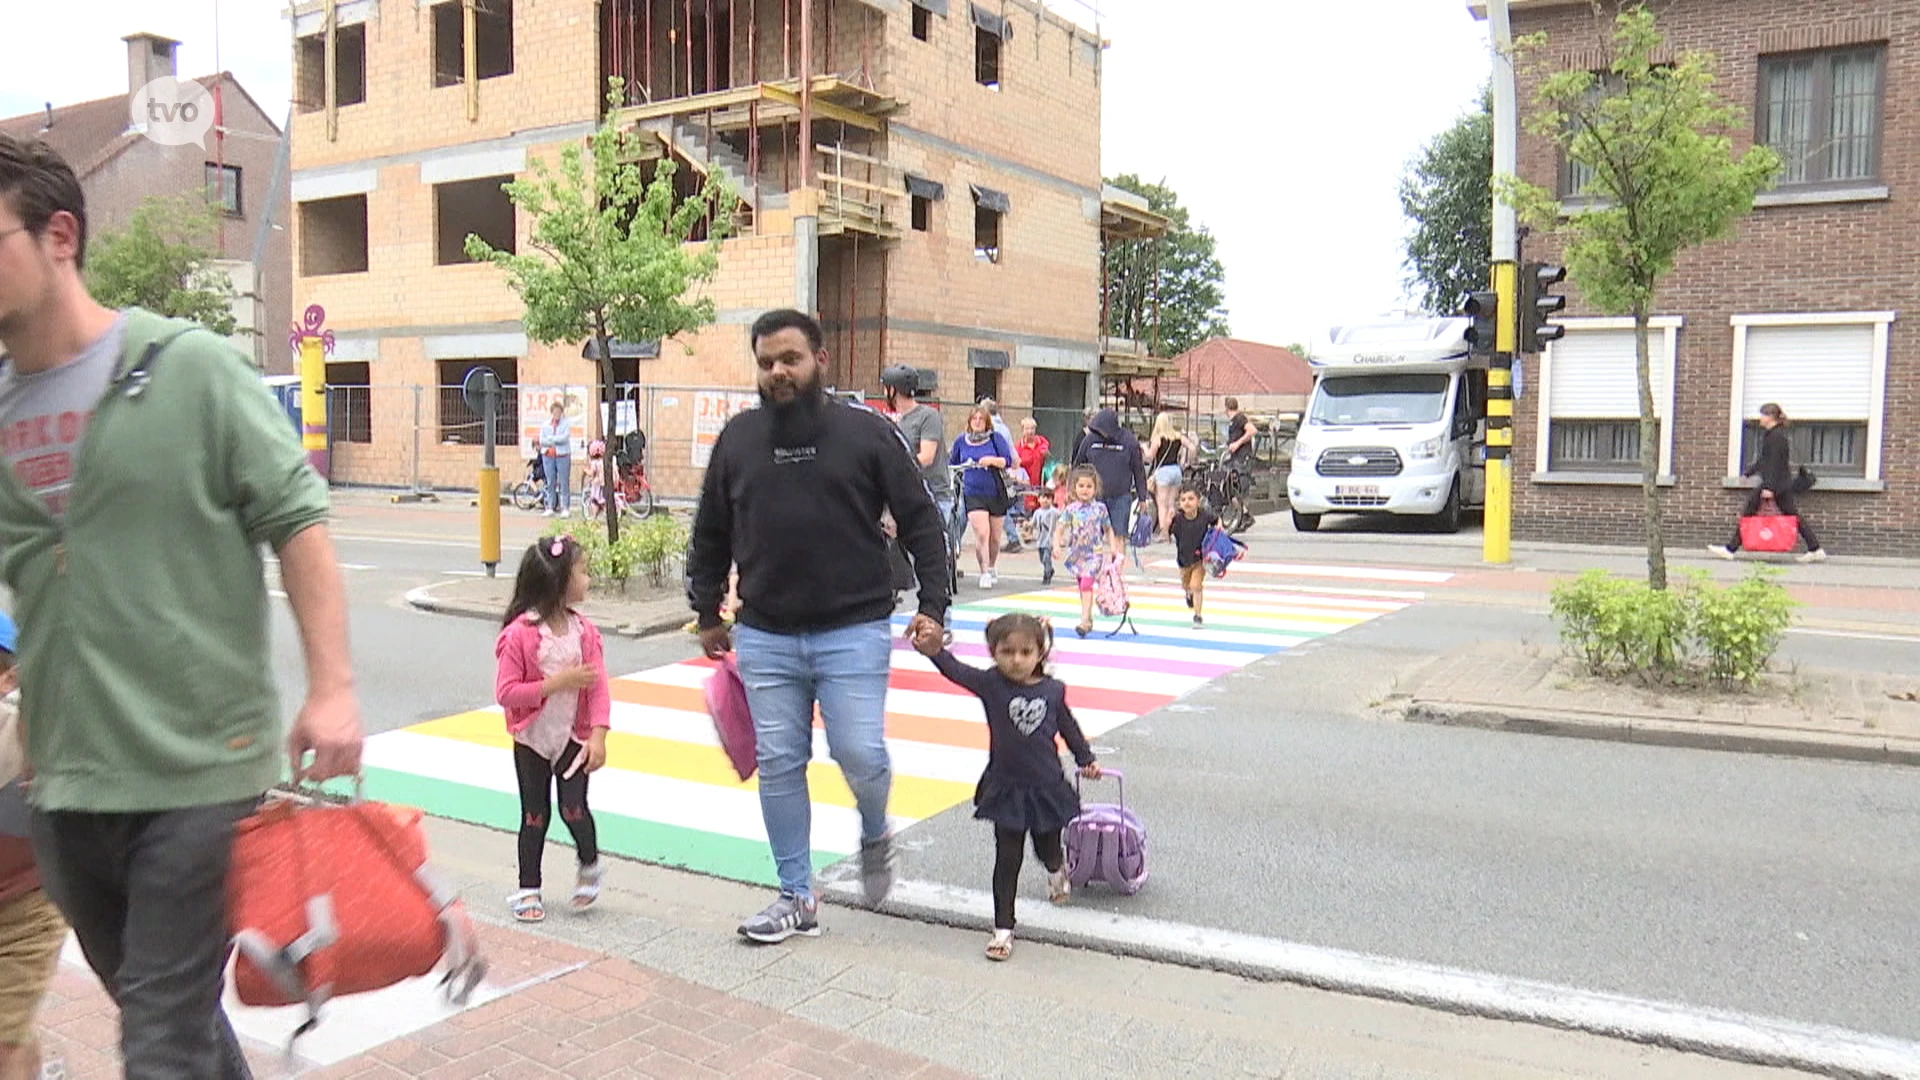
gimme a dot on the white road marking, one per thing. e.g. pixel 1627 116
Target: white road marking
pixel 1719 1032
pixel 1857 635
pixel 1349 573
pixel 467 544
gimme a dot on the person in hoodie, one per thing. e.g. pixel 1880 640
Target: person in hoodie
pixel 794 494
pixel 1114 452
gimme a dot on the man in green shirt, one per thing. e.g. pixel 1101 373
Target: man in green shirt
pixel 142 469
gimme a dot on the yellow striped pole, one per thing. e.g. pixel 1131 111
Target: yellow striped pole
pixel 1497 537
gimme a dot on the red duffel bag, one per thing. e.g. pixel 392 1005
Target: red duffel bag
pixel 1769 530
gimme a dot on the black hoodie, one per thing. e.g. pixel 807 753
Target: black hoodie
pixel 1114 453
pixel 794 497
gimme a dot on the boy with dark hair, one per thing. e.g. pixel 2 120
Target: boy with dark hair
pixel 31 930
pixel 1189 529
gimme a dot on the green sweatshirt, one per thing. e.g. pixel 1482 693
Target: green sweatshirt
pixel 146 680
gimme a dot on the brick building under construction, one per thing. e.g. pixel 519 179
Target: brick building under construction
pixel 924 175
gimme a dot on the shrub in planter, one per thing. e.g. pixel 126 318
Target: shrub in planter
pixel 1619 627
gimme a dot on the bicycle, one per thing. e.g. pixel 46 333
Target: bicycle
pixel 531 492
pixel 1223 489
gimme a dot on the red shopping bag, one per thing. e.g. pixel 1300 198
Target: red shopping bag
pixel 1769 530
pixel 727 704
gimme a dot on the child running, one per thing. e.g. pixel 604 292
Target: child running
pixel 1023 791
pixel 1083 538
pixel 1189 531
pixel 552 681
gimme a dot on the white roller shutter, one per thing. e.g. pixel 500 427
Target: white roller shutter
pixel 1592 375
pixel 1812 372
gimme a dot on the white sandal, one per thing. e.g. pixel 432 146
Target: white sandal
pixel 1000 946
pixel 527 906
pixel 1058 886
pixel 587 886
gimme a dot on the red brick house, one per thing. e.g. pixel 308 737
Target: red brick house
pixel 1809 303
pixel 119 168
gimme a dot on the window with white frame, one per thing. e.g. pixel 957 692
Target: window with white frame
pixel 1590 396
pixel 1827 371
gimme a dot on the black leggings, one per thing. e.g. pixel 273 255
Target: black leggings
pixel 1007 856
pixel 538 778
pixel 1788 504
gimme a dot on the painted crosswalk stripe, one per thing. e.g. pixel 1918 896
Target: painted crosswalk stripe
pixel 668 795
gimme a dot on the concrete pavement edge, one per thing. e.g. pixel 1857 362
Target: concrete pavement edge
pixel 1780 742
pixel 1730 1036
pixel 422 598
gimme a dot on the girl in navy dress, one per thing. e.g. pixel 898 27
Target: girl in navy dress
pixel 1024 791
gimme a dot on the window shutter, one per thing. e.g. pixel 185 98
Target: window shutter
pixel 1593 374
pixel 1812 372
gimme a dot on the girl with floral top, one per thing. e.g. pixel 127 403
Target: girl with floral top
pixel 1083 537
pixel 552 682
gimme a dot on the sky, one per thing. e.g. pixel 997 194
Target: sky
pixel 1284 125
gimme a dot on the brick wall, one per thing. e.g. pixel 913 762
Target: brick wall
pixel 1840 257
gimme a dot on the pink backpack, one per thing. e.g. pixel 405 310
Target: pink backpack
pixel 732 721
pixel 1107 843
pixel 1110 586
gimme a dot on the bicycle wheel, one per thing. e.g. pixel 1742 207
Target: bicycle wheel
pixel 525 496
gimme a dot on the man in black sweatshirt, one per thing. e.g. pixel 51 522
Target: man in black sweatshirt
pixel 1114 452
pixel 794 495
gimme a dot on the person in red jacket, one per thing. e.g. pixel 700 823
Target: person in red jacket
pixel 552 681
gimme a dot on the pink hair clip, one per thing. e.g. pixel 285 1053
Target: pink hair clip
pixel 559 547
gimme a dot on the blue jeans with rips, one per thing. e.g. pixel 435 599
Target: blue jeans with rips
pixel 845 672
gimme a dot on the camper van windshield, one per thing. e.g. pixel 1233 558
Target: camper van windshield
pixel 1380 399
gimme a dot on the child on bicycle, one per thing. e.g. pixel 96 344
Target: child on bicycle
pixel 1023 791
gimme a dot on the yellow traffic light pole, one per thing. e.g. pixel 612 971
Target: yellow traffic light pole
pixel 1497 537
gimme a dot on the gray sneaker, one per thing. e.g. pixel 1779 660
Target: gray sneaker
pixel 876 868
pixel 785 917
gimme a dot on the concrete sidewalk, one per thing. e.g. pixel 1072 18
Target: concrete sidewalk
pixel 643 610
pixel 654 983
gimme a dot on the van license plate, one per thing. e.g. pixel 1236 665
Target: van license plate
pixel 1356 491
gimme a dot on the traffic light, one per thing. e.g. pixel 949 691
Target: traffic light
pixel 1484 309
pixel 1538 303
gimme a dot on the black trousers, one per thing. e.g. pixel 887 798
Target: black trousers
pixel 146 896
pixel 1788 504
pixel 1008 853
pixel 538 778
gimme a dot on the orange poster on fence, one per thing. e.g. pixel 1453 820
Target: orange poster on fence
pixel 536 403
pixel 711 411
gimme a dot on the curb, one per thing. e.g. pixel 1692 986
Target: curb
pixel 422 599
pixel 1718 1033
pixel 1649 731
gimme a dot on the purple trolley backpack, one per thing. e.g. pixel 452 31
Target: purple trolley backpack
pixel 1107 843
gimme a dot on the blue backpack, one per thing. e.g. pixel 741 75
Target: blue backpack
pixel 1142 533
pixel 1221 551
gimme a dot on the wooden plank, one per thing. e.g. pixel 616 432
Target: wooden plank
pixel 861 184
pixel 825 110
pixel 851 155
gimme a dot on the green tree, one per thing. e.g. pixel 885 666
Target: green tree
pixel 1448 194
pixel 611 256
pixel 163 261
pixel 1655 137
pixel 1168 292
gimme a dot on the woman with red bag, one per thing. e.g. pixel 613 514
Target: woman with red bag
pixel 1775 471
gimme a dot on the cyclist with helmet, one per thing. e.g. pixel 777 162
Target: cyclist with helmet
pixel 926 434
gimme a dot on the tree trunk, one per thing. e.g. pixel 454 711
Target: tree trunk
pixel 1649 454
pixel 604 347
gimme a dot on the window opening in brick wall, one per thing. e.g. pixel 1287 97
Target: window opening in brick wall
pixel 349 69
pixel 349 402
pixel 922 208
pixel 986 59
pixel 989 208
pixel 922 23
pixel 223 188
pixel 460 425
pixel 1821 112
pixel 922 193
pixel 492 35
pixel 480 207
pixel 333 236
pixel 986 383
pixel 1609 445
pixel 1828 447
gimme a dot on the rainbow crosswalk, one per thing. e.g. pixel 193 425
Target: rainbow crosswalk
pixel 668 795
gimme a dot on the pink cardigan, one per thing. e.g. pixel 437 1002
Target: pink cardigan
pixel 517 685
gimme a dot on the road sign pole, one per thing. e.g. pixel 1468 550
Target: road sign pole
pixel 482 393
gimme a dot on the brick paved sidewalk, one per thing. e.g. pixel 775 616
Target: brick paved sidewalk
pixel 562 1011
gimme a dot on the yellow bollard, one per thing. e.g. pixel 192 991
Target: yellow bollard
pixel 490 517
pixel 1497 539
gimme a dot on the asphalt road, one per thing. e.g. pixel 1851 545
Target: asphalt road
pixel 1771 886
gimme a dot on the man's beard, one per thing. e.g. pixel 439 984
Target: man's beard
pixel 796 419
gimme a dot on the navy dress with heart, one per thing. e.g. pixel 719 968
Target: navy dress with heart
pixel 1024 786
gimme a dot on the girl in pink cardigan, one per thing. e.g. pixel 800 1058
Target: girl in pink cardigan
pixel 552 681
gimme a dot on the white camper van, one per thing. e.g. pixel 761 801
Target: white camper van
pixel 1396 425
